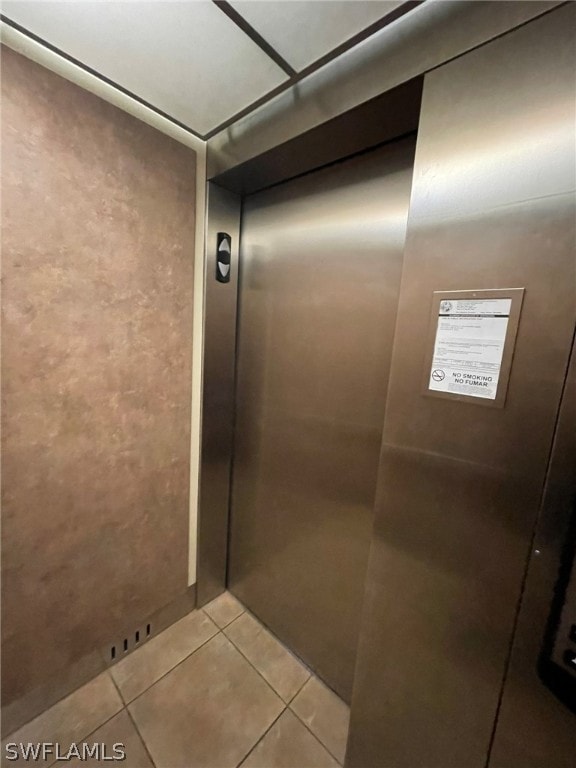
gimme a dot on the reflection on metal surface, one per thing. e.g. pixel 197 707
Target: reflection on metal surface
pixel 534 727
pixel 321 266
pixel 218 396
pixel 459 487
pixel 387 117
pixel 428 36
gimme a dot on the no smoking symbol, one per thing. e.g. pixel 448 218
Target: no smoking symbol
pixel 438 375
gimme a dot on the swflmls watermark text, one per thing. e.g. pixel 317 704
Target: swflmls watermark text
pixel 49 750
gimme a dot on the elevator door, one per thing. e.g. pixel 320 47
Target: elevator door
pixel 321 264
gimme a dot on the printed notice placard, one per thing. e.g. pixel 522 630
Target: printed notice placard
pixel 469 345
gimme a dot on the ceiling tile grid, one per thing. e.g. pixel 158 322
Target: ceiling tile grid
pixel 303 31
pixel 198 62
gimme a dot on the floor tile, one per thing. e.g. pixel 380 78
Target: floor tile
pixel 289 744
pixel 208 712
pixel 325 714
pixel 224 609
pixel 276 664
pixel 137 672
pixel 71 719
pixel 118 731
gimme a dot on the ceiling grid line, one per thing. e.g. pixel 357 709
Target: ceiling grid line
pixel 401 10
pixel 255 36
pixel 204 64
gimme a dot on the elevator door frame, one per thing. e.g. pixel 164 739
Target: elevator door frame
pixel 387 118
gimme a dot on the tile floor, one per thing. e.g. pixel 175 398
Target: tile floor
pixel 214 690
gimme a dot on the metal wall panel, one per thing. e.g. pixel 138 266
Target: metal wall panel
pixel 321 266
pixel 390 116
pixel 428 36
pixel 459 485
pixel 218 397
pixel 534 727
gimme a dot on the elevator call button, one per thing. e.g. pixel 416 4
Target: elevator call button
pixel 223 257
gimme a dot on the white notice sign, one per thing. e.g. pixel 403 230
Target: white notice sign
pixel 469 345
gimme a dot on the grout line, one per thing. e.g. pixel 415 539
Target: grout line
pixel 274 691
pixel 310 676
pixel 45 711
pixel 219 632
pixel 171 669
pixel 326 747
pixel 288 709
pixel 312 672
pixel 293 656
pixel 115 684
pixel 315 736
pixel 125 709
pixel 287 705
pixel 272 724
pixel 268 683
pixel 140 736
pixel 286 648
pixel 104 660
pixel 83 738
pixel 225 625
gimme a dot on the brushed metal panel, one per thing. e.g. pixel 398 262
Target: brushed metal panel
pixel 223 215
pixel 534 728
pixel 423 39
pixel 321 266
pixel 390 116
pixel 459 485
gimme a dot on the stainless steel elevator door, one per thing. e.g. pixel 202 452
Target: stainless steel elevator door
pixel 320 274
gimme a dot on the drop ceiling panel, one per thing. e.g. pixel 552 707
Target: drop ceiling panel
pixel 302 31
pixel 185 58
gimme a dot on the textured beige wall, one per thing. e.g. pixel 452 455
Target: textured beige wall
pixel 98 241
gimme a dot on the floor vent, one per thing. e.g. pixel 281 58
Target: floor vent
pixel 128 643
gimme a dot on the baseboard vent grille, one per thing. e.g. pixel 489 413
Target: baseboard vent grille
pixel 129 643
